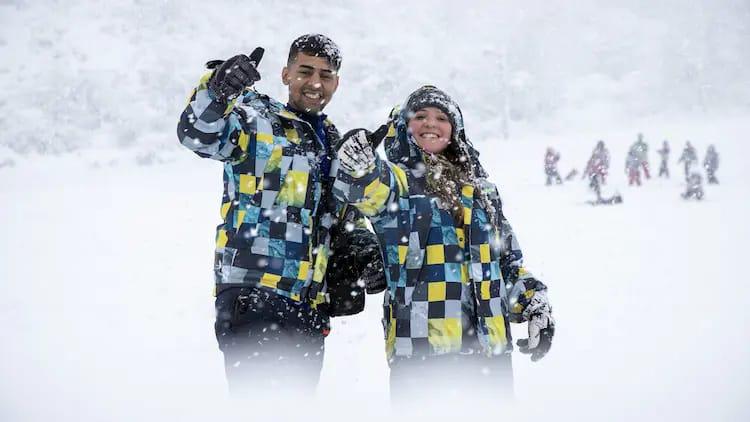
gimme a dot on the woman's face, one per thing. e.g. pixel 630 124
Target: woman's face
pixel 432 129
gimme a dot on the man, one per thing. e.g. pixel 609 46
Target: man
pixel 688 157
pixel 640 150
pixel 664 166
pixel 711 164
pixel 272 249
pixel 597 167
pixel 633 168
pixel 598 164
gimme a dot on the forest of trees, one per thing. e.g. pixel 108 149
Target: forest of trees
pixel 118 75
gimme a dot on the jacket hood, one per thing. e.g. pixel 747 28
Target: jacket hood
pixel 402 149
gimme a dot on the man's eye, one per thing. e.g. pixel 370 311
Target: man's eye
pixel 326 77
pixel 305 72
pixel 419 117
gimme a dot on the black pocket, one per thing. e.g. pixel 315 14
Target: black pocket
pixel 355 256
pixel 224 304
pixel 250 306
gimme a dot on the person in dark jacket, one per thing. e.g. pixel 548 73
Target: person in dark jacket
pixel 453 264
pixel 711 164
pixel 688 157
pixel 664 154
pixel 274 245
pixel 694 187
pixel 639 150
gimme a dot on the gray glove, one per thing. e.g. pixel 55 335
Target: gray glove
pixel 538 313
pixel 355 152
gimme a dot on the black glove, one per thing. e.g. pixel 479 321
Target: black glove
pixel 231 77
pixel 354 268
pixel 373 273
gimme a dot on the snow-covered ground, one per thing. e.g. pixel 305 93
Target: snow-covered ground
pixel 105 259
pixel 107 310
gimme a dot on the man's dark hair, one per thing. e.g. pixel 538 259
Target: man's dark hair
pixel 316 45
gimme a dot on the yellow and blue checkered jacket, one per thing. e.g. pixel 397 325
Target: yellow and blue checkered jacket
pixel 276 214
pixel 431 261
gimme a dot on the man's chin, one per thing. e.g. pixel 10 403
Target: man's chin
pixel 310 108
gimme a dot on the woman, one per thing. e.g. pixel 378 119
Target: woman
pixel 453 265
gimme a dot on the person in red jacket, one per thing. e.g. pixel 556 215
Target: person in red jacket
pixel 597 168
pixel 551 158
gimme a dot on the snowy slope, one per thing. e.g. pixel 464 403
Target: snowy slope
pixel 105 259
pixel 107 310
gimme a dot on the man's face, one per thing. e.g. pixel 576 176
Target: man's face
pixel 311 81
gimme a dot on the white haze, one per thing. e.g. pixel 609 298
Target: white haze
pixel 105 258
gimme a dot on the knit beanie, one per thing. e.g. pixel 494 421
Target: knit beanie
pixel 430 96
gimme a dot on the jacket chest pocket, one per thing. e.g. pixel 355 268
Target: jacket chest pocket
pixel 274 171
pixel 260 180
pixel 297 185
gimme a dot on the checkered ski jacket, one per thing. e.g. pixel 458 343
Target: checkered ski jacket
pixel 276 229
pixel 422 305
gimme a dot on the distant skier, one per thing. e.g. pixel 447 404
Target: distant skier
pixel 550 166
pixel 640 151
pixel 711 163
pixel 612 200
pixel 664 166
pixel 694 187
pixel 688 157
pixel 598 165
pixel 595 185
pixel 632 168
